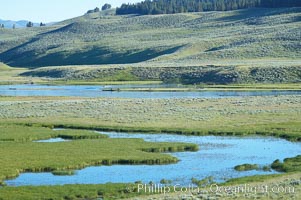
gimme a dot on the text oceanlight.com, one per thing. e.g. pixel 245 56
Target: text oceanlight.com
pixel 214 188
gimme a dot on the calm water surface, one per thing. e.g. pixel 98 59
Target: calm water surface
pixel 96 91
pixel 217 157
pixel 52 140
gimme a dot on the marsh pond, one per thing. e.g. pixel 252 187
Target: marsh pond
pixel 216 157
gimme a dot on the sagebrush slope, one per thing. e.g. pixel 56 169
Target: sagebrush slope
pixel 189 37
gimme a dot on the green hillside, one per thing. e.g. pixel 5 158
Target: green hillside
pixel 4 67
pixel 193 37
pixel 240 43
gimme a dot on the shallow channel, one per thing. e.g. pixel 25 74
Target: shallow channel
pixel 97 91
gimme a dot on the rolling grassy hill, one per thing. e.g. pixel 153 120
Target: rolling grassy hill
pixel 4 67
pixel 238 40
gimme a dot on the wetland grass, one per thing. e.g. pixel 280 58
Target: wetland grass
pixel 104 191
pixel 246 167
pixel 63 173
pixel 204 182
pixel 25 133
pixel 76 154
pixel 288 164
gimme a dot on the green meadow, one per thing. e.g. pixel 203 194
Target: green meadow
pixel 252 49
pixel 277 116
pixel 20 154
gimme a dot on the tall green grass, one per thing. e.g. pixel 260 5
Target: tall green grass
pixel 15 133
pixel 18 155
pixel 288 165
pixel 105 191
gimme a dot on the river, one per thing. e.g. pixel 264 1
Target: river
pixel 97 91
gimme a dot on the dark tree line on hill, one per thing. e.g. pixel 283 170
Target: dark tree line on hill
pixel 104 7
pixel 280 3
pixel 152 7
pixel 29 24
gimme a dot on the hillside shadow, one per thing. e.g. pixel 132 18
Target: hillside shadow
pixel 60 29
pixel 257 12
pixel 97 55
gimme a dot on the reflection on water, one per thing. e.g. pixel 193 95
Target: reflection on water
pixel 217 157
